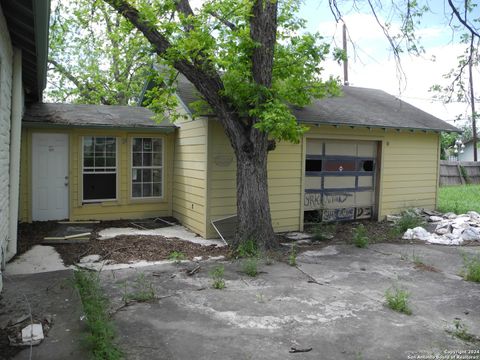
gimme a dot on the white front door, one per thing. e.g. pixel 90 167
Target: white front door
pixel 49 176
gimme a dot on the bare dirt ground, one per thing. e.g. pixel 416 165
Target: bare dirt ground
pixel 124 249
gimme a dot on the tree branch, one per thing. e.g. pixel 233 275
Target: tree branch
pixel 223 20
pixel 462 20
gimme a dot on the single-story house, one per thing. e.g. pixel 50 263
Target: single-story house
pixel 466 154
pixel 367 154
pixel 23 64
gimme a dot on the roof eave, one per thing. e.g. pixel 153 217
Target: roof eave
pixel 46 125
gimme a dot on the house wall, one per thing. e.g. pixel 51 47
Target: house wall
pixel 124 207
pixel 408 173
pixel 467 154
pixel 190 175
pixel 6 72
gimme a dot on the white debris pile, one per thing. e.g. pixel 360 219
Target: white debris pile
pixel 451 229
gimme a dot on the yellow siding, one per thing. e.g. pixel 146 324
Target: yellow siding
pixel 284 183
pixel 125 207
pixel 190 175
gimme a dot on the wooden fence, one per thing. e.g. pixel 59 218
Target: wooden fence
pixel 459 172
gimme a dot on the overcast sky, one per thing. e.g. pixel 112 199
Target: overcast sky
pixel 372 64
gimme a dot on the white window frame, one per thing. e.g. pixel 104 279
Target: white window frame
pixel 83 172
pixel 132 167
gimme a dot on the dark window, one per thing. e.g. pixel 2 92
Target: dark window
pixel 366 165
pixel 99 168
pixel 313 165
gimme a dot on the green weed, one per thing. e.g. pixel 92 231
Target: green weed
pixel 397 299
pixel 360 237
pixel 176 256
pixel 250 266
pixel 95 305
pixel 143 290
pixel 292 257
pixel 217 274
pixel 247 249
pixel 471 267
pixel 409 219
pixel 461 331
pixel 324 231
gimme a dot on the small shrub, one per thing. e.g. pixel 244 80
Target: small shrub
pixel 250 266
pixel 247 249
pixel 417 260
pixel 324 231
pixel 397 299
pixel 292 258
pixel 176 256
pixel 217 277
pixel 471 267
pixel 95 305
pixel 461 331
pixel 143 290
pixel 360 237
pixel 409 219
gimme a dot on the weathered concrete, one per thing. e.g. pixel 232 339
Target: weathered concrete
pixel 51 295
pixel 340 315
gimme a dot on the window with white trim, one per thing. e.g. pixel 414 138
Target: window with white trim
pixel 147 167
pixel 99 168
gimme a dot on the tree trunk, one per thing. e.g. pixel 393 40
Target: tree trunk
pixel 253 206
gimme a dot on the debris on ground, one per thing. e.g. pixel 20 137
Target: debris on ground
pixel 28 330
pixel 450 229
pixel 32 334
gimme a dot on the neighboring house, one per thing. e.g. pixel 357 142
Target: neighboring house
pixel 467 154
pixel 367 154
pixel 23 64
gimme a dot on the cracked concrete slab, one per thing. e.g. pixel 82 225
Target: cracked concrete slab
pixel 333 302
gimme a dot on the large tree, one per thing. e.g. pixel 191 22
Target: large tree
pixel 249 61
pixel 96 56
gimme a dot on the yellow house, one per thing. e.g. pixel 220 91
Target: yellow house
pixel 366 154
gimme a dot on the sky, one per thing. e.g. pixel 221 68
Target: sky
pixel 371 62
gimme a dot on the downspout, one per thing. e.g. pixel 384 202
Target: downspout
pixel 15 138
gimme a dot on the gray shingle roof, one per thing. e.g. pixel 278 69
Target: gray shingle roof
pixel 356 107
pixel 105 116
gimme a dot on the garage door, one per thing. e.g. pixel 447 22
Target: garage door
pixel 340 179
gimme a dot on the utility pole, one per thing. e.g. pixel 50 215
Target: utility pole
pixel 345 61
pixel 472 100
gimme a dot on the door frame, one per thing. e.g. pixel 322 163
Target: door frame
pixel 32 175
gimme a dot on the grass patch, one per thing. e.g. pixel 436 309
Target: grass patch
pixel 95 306
pixel 471 267
pixel 247 249
pixel 176 256
pixel 217 274
pixel 143 290
pixel 360 237
pixel 459 199
pixel 324 231
pixel 397 299
pixel 292 257
pixel 460 330
pixel 409 219
pixel 250 266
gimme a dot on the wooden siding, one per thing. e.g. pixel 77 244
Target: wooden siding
pixel 125 207
pixel 190 175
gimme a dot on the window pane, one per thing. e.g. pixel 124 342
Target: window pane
pixel 99 161
pixel 147 159
pixel 157 145
pixel 137 159
pixel 99 186
pixel 137 144
pixel 147 175
pixel 110 145
pixel 137 190
pixel 157 175
pixel 110 161
pixel 147 189
pixel 137 175
pixel 88 146
pixel 147 144
pixel 157 189
pixel 157 159
pixel 88 161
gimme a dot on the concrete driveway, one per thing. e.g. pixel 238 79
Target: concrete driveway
pixel 333 303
